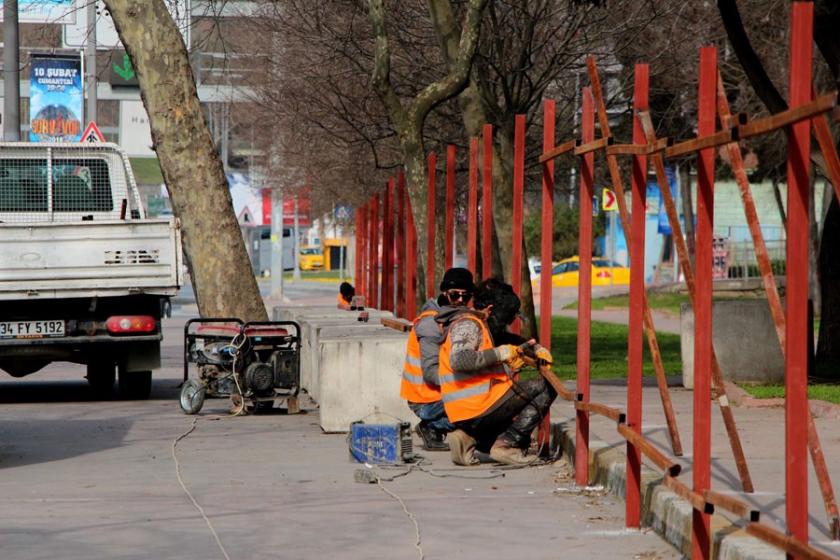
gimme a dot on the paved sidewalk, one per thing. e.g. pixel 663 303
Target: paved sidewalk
pixel 762 436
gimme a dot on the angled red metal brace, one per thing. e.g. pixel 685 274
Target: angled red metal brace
pixel 650 331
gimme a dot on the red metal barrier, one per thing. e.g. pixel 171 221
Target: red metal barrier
pixel 706 100
pixel 518 202
pixel 547 233
pixel 584 331
pixel 358 249
pixel 487 203
pixel 472 209
pixel 796 354
pixel 431 225
pixel 410 262
pixel 637 303
pixel 587 173
pixel 450 210
pixel 375 237
pixel 399 244
pixel 387 302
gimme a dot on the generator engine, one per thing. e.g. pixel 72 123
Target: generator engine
pixel 254 364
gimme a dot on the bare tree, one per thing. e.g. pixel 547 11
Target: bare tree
pixel 219 265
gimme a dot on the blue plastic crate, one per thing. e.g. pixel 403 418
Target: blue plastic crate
pixel 380 443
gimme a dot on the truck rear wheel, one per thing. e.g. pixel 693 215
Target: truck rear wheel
pixel 101 376
pixel 135 385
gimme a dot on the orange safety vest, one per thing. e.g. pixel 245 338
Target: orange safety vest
pixel 413 387
pixel 341 300
pixel 467 395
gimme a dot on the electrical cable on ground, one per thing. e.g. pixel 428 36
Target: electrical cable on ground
pixel 417 543
pixel 190 496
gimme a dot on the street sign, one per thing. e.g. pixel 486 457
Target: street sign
pixel 92 135
pixel 609 203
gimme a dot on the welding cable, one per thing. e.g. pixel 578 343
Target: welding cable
pixel 188 493
pixel 417 542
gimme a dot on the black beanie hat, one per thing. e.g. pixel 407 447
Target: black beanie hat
pixel 457 279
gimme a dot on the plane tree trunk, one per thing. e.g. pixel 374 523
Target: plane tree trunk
pixel 218 262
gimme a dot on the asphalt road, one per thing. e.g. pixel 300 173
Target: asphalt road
pixel 86 479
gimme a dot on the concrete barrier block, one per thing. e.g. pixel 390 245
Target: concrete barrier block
pixel 360 380
pixel 292 313
pixel 314 331
pixel 744 339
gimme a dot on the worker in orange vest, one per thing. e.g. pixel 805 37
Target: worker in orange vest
pixel 420 385
pixel 491 411
pixel 346 291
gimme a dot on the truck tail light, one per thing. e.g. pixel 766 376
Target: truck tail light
pixel 124 324
pixel 603 274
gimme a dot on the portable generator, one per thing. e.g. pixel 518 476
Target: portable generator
pixel 378 444
pixel 254 364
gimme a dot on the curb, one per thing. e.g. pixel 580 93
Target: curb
pixel 662 510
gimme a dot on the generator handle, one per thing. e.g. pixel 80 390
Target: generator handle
pixel 187 335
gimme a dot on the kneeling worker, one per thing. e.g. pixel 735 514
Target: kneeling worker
pixel 481 399
pixel 420 385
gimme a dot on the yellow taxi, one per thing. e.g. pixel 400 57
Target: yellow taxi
pixel 566 273
pixel 311 258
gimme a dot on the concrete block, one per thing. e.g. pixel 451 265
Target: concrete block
pixel 360 379
pixel 744 339
pixel 293 313
pixel 312 332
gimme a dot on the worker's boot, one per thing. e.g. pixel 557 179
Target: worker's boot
pixel 462 448
pixel 433 440
pixel 507 454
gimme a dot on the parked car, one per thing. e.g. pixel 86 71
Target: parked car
pixel 311 258
pixel 604 273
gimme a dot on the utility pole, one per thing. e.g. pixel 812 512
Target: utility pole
pixel 277 244
pixel 90 61
pixel 295 249
pixel 11 72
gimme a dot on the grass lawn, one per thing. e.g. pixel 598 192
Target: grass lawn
pixel 824 392
pixel 662 302
pixel 609 350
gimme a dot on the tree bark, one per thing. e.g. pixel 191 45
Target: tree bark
pixel 218 262
pixel 408 119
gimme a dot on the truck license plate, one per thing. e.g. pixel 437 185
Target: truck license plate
pixel 31 329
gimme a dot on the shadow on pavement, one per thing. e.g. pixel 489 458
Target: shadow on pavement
pixel 28 442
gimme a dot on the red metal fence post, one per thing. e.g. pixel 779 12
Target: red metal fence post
pixel 547 247
pixel 487 203
pixel 701 435
pixel 374 252
pixel 472 208
pixel 518 201
pixel 796 353
pixel 431 225
pixel 387 302
pixel 637 302
pixel 410 262
pixel 584 332
pixel 399 244
pixel 358 234
pixel 449 249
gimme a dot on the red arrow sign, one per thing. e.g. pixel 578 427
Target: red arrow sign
pixel 609 203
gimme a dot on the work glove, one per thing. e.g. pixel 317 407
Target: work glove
pixel 510 355
pixel 544 355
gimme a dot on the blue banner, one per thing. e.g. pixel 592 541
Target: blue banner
pixel 55 99
pixel 664 225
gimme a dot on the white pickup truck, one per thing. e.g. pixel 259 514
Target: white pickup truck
pixel 84 275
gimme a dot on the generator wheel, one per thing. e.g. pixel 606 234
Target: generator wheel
pixel 192 396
